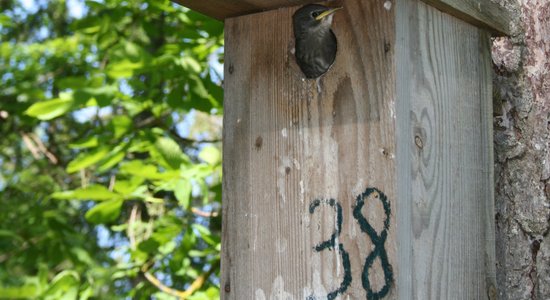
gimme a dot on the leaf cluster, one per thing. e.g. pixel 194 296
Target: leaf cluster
pixel 110 156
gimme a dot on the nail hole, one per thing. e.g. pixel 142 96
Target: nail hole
pixel 259 142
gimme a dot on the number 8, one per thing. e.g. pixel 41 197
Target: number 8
pixel 377 240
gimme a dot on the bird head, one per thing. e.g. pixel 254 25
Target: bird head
pixel 313 17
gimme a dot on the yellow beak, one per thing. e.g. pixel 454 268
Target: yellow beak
pixel 327 13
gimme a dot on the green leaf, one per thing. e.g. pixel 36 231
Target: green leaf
pixel 165 234
pixel 29 290
pixel 123 68
pixel 10 234
pixel 138 168
pixel 90 25
pixel 82 255
pixel 197 87
pixel 210 294
pixel 5 21
pixel 103 95
pixel 64 286
pixel 167 248
pixel 92 192
pixel 104 212
pixel 111 160
pixel 206 235
pixel 189 64
pixel 107 39
pixel 114 157
pixel 210 155
pixel 88 142
pixel 170 152
pixel 71 82
pixel 182 191
pixel 197 253
pixel 149 246
pixel 47 110
pixel 216 93
pixel 84 160
pixel 121 125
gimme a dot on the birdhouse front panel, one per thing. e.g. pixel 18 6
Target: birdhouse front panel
pixel 309 183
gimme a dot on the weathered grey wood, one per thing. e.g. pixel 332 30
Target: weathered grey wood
pixel 483 13
pixel 444 157
pixel 486 108
pixel 289 141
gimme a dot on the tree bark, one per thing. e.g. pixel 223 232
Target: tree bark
pixel 522 152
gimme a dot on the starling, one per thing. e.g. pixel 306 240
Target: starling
pixel 315 41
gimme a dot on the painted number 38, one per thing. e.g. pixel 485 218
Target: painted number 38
pixel 378 241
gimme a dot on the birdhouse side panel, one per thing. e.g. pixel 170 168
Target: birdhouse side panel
pixel 445 156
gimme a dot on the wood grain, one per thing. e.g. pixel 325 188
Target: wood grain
pixel 289 141
pixel 482 13
pixel 444 154
pixel 223 9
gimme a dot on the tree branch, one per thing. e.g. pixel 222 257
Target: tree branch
pixel 204 214
pixel 197 283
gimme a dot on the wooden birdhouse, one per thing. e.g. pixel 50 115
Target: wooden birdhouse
pixel 374 181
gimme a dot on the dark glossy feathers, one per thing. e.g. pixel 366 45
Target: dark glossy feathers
pixel 316 44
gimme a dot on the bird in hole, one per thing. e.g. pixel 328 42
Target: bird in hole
pixel 315 42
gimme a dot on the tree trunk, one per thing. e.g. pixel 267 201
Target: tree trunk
pixel 522 152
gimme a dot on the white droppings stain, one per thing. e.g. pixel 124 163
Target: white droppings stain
pixel 296 164
pixel 278 290
pixel 307 293
pixel 284 132
pixel 302 191
pixel 318 82
pixel 281 245
pixel 259 294
pixel 337 253
pixel 318 287
pixel 387 5
pixel 238 121
pixel 255 220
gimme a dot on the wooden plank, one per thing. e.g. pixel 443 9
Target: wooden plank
pixel 445 202
pixel 291 145
pixel 222 9
pixel 486 109
pixel 483 13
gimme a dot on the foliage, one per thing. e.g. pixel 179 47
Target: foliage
pixel 110 164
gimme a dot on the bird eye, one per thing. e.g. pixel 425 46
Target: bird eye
pixel 315 14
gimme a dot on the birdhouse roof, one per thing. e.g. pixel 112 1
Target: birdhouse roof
pixel 482 13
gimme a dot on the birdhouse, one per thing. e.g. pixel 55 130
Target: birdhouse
pixel 374 180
